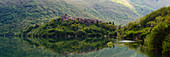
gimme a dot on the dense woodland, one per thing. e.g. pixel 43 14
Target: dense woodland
pixel 153 29
pixel 16 14
pixel 70 27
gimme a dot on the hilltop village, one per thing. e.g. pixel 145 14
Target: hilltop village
pixel 83 20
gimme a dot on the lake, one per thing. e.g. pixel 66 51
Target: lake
pixel 90 47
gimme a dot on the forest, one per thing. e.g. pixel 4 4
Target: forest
pixel 16 14
pixel 70 27
pixel 153 29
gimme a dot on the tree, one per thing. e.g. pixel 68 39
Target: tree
pixel 74 27
pixel 167 20
pixel 158 34
pixel 158 19
pixel 113 23
pixel 110 22
pixel 166 45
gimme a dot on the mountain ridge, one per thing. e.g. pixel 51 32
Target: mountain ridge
pixel 16 14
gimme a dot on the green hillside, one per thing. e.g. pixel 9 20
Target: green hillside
pixel 16 14
pixel 20 13
pixel 70 27
pixel 153 29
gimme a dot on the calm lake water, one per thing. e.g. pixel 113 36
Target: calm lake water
pixel 17 47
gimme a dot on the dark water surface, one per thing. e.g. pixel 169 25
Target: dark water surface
pixel 17 47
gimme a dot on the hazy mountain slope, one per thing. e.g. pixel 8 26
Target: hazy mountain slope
pixel 16 14
pixel 155 4
pixel 145 6
pixel 106 10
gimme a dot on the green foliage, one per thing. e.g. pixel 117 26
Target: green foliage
pixel 151 23
pixel 17 14
pixel 154 41
pixel 153 29
pixel 166 45
pixel 167 20
pixel 110 44
pixel 158 19
pixel 156 15
pixel 132 25
pixel 67 28
pixel 150 20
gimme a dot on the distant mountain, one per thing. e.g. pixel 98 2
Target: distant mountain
pixel 16 14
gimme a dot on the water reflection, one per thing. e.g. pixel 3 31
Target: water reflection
pixel 66 46
pixel 127 41
pixel 61 47
pixel 81 46
pixel 14 47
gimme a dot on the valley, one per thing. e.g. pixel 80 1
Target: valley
pixel 89 28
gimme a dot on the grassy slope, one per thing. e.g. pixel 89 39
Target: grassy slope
pixel 124 2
